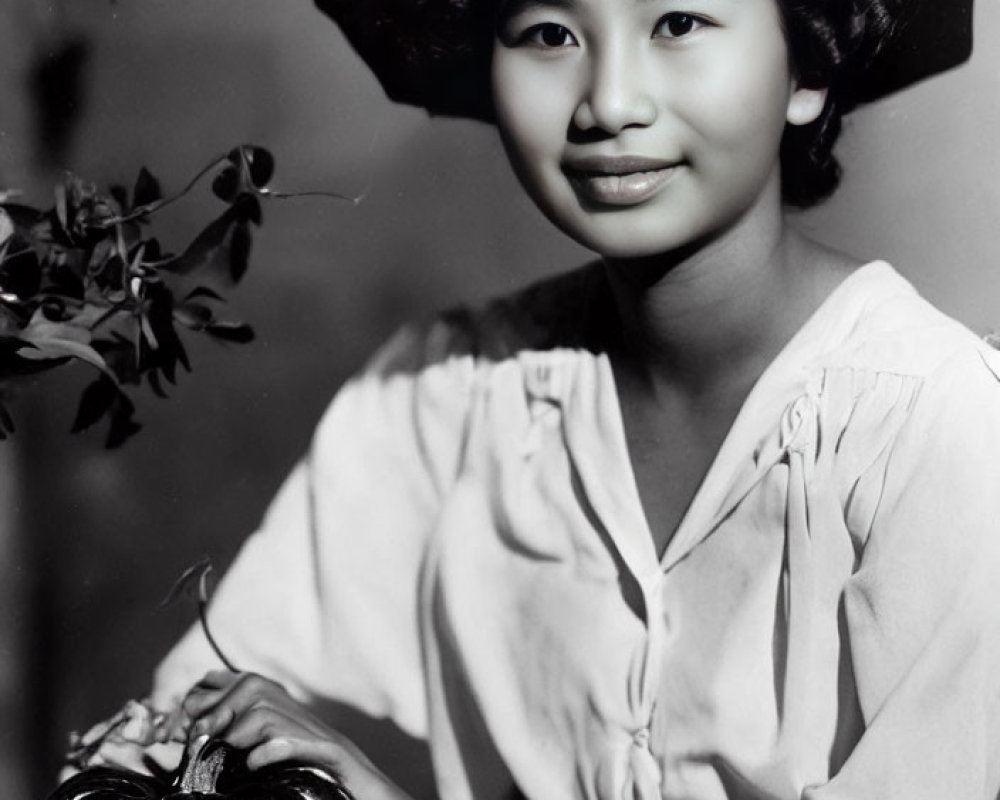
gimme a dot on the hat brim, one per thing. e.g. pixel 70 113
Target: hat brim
pixel 421 55
pixel 434 54
pixel 935 38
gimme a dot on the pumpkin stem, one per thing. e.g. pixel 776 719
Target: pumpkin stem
pixel 204 763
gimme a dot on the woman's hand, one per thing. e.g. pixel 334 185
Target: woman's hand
pixel 257 715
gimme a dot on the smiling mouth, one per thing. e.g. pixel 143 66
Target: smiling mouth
pixel 619 180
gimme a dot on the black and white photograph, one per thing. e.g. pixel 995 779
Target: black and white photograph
pixel 500 399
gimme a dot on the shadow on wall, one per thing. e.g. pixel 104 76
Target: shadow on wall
pixel 105 534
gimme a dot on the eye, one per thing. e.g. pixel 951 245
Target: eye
pixel 548 34
pixel 677 25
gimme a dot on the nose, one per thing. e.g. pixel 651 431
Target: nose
pixel 617 94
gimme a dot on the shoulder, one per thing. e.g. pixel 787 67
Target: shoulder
pixel 439 361
pixel 555 312
pixel 901 389
pixel 446 352
pixel 558 311
pixel 423 384
pixel 893 329
pixel 911 400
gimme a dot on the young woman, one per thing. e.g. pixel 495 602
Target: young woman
pixel 714 517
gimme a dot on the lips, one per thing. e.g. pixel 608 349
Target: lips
pixel 619 180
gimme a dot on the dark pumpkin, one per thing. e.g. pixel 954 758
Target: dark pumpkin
pixel 210 769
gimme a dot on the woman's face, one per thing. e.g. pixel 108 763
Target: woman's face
pixel 641 126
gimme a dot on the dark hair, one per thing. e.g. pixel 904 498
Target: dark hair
pixel 830 44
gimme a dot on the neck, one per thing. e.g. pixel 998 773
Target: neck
pixel 712 319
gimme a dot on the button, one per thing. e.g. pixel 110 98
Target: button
pixel 640 738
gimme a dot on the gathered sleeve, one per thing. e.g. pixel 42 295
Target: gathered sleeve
pixel 923 608
pixel 323 597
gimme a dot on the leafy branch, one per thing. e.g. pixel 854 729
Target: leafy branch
pixel 82 281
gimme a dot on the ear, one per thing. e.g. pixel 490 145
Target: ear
pixel 805 105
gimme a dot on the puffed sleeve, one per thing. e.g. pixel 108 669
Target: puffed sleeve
pixel 322 598
pixel 923 608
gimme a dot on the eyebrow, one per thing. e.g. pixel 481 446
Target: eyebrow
pixel 510 8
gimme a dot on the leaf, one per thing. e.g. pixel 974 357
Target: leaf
pixel 193 315
pixel 111 273
pixel 23 217
pixel 203 250
pixel 148 335
pixel 95 402
pixel 181 354
pixel 153 377
pixel 63 281
pixel 231 331
pixel 53 340
pixel 102 398
pixel 239 250
pixel 123 426
pixel 226 185
pixel 120 194
pixel 203 291
pixel 61 207
pixel 57 349
pixel 192 582
pixel 6 227
pixel 12 364
pixel 256 163
pixel 147 189
pixel 158 325
pixel 20 272
pixel 119 354
pixel 247 207
pixel 154 251
pixel 250 169
pixel 101 253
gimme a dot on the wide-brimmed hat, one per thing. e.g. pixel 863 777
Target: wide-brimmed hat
pixel 935 37
pixel 435 53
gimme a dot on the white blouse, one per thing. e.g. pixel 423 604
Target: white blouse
pixel 464 551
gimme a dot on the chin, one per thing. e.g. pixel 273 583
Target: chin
pixel 661 226
pixel 613 235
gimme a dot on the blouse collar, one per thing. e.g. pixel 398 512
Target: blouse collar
pixel 765 427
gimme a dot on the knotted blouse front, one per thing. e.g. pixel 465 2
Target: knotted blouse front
pixel 464 550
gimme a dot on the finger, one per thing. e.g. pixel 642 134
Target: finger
pixel 213 722
pixel 199 700
pixel 219 679
pixel 234 688
pixel 272 751
pixel 264 723
pixel 170 726
pixel 207 691
pixel 323 753
pixel 248 693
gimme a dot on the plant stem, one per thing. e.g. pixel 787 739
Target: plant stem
pixel 203 618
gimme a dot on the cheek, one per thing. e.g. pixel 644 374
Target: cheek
pixel 743 99
pixel 531 109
